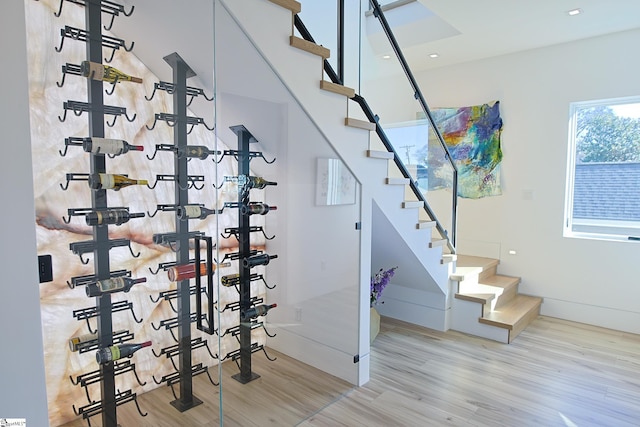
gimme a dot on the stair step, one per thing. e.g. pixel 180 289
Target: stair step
pixel 397 181
pixel 362 124
pixel 336 88
pixel 515 315
pixel 425 224
pixel 412 204
pixel 437 242
pixel 468 265
pixel 292 5
pixel 310 47
pixel 375 154
pixel 448 258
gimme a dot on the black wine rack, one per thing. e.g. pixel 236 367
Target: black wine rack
pixel 100 245
pixel 242 332
pixel 179 240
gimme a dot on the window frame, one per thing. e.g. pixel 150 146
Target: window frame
pixel 596 229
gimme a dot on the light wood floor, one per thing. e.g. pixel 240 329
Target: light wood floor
pixel 556 373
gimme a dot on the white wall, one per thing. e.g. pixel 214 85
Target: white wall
pixel 587 281
pixel 22 363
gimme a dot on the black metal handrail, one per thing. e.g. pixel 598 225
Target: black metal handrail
pixel 328 69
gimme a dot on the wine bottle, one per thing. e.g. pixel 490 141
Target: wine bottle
pixel 258 310
pixel 198 151
pixel 230 280
pixel 193 212
pixel 109 286
pixel 77 342
pixel 258 182
pixel 117 216
pixel 115 352
pixel 98 181
pixel 96 71
pixel 261 259
pixel 256 208
pixel 114 147
pixel 188 271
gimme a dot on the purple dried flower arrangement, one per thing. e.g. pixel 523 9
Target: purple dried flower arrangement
pixel 379 282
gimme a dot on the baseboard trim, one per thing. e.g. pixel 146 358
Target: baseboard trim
pixel 605 317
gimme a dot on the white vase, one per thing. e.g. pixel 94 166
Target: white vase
pixel 374 324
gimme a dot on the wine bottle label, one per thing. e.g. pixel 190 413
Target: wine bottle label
pixel 107 180
pixel 192 211
pixel 110 285
pixel 95 71
pixel 107 146
pixel 99 218
pixel 196 151
pixel 115 352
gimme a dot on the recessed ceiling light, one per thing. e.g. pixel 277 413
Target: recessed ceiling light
pixel 574 12
pixel 433 55
pixel 386 56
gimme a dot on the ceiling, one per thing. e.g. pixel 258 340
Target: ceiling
pixel 458 30
pixel 470 30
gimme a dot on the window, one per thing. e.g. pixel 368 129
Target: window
pixel 603 174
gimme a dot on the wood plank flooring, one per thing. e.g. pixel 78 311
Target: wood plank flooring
pixel 557 373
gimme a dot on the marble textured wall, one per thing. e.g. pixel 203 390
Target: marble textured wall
pixel 58 301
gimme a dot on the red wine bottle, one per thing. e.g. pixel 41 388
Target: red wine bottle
pixel 261 259
pixel 107 181
pixel 115 352
pixel 256 208
pixel 258 310
pixel 197 151
pixel 114 147
pixel 188 271
pixel 194 212
pixel 109 286
pixel 110 216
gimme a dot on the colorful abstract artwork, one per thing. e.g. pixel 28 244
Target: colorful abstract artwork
pixel 472 135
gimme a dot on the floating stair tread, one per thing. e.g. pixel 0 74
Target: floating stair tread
pixel 510 315
pixel 397 181
pixel 412 204
pixel 448 258
pixel 375 154
pixel 362 124
pixel 425 224
pixel 336 88
pixel 437 242
pixel 292 5
pixel 310 47
pixel 479 298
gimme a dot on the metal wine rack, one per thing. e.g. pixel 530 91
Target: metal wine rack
pixel 179 241
pixel 242 332
pixel 100 245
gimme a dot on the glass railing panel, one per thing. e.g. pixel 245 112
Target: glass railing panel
pixel 391 94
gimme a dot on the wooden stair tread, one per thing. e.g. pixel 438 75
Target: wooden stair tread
pixel 292 5
pixel 479 298
pixel 362 124
pixel 508 316
pixel 412 204
pixel 500 281
pixel 379 154
pixel 437 242
pixel 336 88
pixel 397 181
pixel 310 47
pixel 421 225
pixel 476 261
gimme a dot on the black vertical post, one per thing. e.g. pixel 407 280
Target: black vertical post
pixel 245 375
pixel 93 18
pixel 181 72
pixel 340 56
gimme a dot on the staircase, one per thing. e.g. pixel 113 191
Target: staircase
pixel 485 304
pixel 488 304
